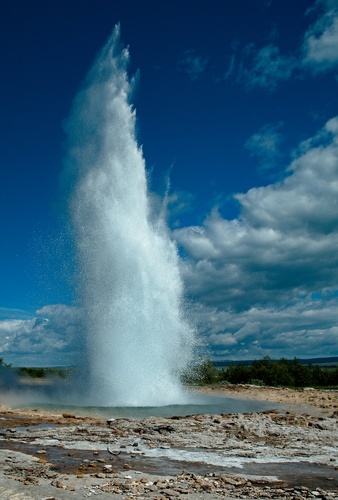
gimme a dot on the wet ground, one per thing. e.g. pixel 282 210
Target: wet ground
pixel 272 454
pixel 85 462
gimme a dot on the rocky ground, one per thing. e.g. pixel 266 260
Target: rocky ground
pixel 282 454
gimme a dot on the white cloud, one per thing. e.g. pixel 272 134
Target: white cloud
pixel 306 201
pixel 320 46
pixel 264 283
pixel 306 328
pixel 264 268
pixel 49 338
pixel 193 64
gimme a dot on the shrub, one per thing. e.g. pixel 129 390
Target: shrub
pixel 204 372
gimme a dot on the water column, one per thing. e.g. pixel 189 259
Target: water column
pixel 135 337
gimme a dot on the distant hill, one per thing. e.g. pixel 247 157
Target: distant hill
pixel 323 362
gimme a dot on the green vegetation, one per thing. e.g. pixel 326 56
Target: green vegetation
pixel 3 364
pixel 43 372
pixel 288 373
pixel 204 372
pixel 36 372
pixel 267 371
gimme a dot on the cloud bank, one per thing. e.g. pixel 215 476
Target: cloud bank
pixel 48 338
pixel 266 282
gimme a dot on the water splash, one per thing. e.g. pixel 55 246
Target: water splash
pixel 135 337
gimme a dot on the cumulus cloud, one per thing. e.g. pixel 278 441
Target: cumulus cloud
pixel 266 266
pixel 48 337
pixel 192 64
pixel 321 39
pixel 307 328
pixel 263 283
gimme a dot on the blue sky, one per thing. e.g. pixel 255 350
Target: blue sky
pixel 237 102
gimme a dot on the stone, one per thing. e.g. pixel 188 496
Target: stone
pixel 171 493
pixel 58 484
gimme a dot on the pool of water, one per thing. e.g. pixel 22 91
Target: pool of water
pixel 197 405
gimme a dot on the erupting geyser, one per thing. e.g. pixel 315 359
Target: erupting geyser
pixel 136 340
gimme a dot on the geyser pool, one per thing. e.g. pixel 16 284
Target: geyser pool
pixel 135 337
pixel 194 405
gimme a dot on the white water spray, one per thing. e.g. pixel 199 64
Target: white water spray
pixel 136 340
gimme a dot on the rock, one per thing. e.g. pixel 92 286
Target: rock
pixel 152 488
pixel 164 428
pixel 170 493
pixel 58 484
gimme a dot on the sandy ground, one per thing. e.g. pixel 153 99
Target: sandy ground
pixel 314 401
pixel 289 453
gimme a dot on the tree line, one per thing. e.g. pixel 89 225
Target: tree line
pixel 35 372
pixel 266 371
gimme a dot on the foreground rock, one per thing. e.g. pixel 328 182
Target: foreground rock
pixel 271 454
